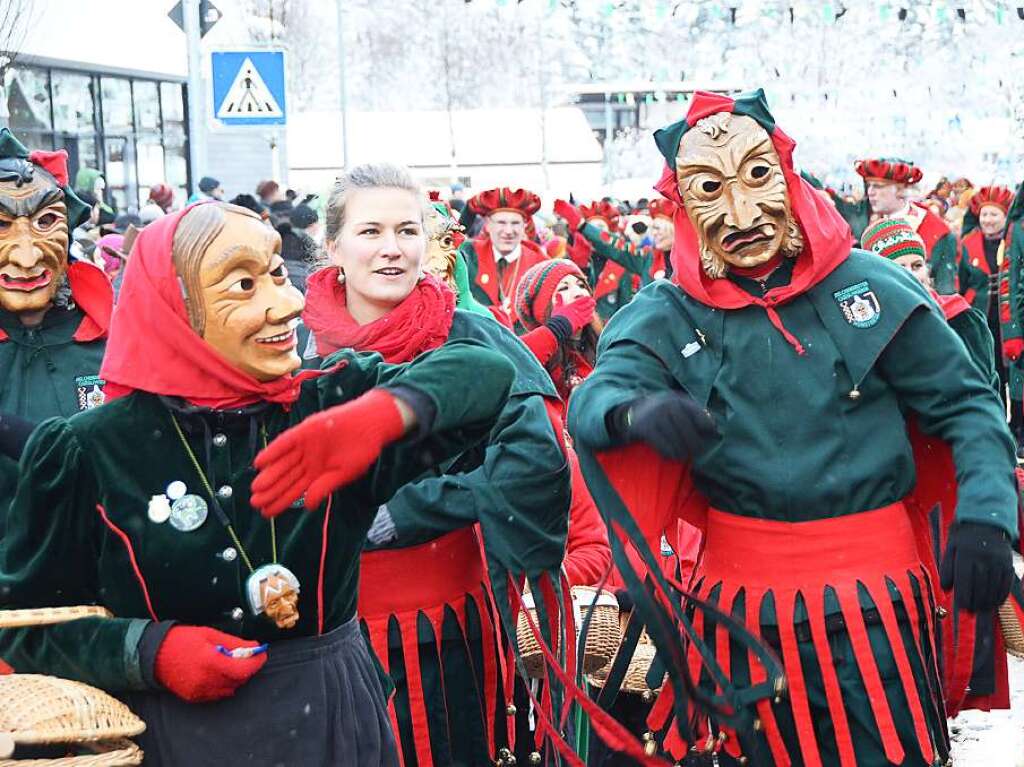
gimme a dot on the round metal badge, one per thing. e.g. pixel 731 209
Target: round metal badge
pixel 188 513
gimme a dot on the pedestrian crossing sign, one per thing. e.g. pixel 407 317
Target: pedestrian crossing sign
pixel 249 87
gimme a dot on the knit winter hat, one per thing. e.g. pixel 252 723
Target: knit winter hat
pixel 162 195
pixel 893 238
pixel 536 289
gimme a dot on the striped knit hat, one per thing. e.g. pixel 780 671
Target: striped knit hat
pixel 892 238
pixel 536 289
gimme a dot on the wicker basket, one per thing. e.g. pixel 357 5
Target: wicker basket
pixel 1013 634
pixel 43 710
pixel 603 633
pixel 118 753
pixel 46 616
pixel 635 681
pixel 603 636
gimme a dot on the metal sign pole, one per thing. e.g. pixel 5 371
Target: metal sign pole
pixel 196 93
pixel 342 91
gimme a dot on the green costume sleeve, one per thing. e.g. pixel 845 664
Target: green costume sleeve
pixel 48 560
pixel 942 264
pixel 973 281
pixel 856 214
pixel 1011 287
pixel 519 492
pixel 972 328
pixel 466 405
pixel 928 367
pixel 610 246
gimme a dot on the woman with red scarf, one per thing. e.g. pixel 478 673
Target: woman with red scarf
pixel 233 633
pixel 425 596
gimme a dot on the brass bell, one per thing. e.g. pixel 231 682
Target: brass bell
pixel 511 709
pixel 941 611
pixel 534 758
pixel 647 696
pixel 854 394
pixel 743 760
pixel 758 725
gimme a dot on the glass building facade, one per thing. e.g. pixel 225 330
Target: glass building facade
pixel 133 130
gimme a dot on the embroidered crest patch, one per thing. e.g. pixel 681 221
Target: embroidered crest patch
pixel 90 392
pixel 859 304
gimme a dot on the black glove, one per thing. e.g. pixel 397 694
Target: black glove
pixel 561 328
pixel 14 434
pixel 978 566
pixel 669 421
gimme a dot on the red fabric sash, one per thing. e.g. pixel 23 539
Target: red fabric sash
pixel 420 323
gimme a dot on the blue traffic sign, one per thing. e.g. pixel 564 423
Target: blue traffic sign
pixel 249 87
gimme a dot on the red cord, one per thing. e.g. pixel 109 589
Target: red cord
pixel 323 564
pixel 131 556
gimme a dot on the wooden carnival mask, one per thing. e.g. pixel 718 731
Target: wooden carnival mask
pixel 734 192
pixel 445 236
pixel 33 237
pixel 237 291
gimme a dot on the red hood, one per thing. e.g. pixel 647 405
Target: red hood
pixel 827 237
pixel 153 348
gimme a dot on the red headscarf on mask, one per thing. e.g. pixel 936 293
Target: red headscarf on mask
pixel 827 237
pixel 153 348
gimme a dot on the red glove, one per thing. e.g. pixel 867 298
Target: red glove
pixel 579 313
pixel 189 664
pixel 570 213
pixel 579 251
pixel 325 452
pixel 1012 348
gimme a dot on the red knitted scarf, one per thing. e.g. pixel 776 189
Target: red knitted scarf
pixel 420 323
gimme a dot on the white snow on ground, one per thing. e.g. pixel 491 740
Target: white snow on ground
pixel 995 738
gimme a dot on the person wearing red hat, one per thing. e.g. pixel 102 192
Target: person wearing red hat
pixel 766 396
pixel 178 506
pixel 444 550
pixel 503 252
pixel 1011 310
pixel 982 263
pixel 887 182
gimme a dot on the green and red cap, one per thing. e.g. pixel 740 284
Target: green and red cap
pixel 827 237
pixel 536 290
pixel 893 238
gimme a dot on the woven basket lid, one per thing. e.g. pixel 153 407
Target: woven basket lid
pixel 36 709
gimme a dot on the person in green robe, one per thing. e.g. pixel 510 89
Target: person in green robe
pixel 765 396
pixel 53 317
pixel 178 506
pixel 441 546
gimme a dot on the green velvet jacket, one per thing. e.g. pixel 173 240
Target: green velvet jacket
pixel 80 513
pixel 795 444
pixel 45 373
pixel 516 483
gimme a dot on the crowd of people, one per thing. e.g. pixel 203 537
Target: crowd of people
pixel 329 466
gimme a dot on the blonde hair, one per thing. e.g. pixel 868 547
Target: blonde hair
pixel 381 175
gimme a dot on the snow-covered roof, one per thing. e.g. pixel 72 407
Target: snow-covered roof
pixel 482 137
